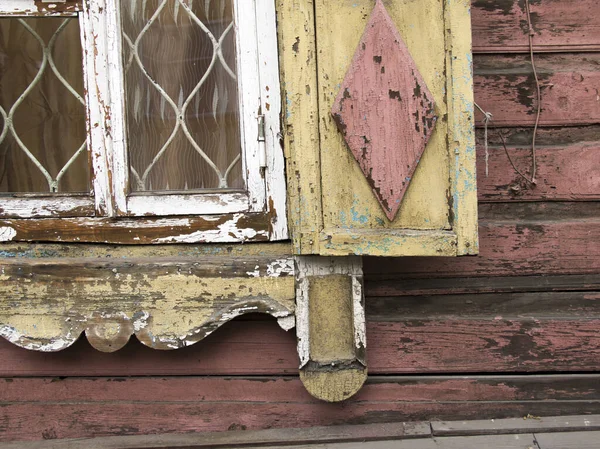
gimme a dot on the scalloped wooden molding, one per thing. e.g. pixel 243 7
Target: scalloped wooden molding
pixel 168 303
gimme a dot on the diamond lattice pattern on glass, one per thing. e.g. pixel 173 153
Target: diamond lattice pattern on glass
pixel 181 95
pixel 42 110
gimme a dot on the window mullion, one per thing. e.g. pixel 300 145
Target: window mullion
pixel 249 98
pixel 104 85
pixel 117 152
pixel 270 94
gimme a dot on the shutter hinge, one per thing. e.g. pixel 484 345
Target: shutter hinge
pixel 262 139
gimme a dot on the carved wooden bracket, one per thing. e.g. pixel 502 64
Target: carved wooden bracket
pixel 330 325
pixel 171 297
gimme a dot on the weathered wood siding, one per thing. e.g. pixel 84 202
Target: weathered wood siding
pixel 479 327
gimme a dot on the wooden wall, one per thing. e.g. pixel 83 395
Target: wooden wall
pixel 514 331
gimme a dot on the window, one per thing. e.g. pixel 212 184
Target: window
pixel 140 121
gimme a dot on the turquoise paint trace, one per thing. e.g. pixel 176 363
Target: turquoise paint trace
pixel 356 217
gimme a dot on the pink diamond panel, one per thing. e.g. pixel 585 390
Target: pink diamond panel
pixel 385 111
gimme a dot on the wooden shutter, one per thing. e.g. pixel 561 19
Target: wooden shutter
pixel 380 130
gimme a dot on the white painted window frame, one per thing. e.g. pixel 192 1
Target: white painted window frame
pixel 259 91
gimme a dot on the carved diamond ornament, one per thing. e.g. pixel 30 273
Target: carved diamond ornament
pixel 385 111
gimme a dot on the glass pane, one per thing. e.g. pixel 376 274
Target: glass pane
pixel 182 103
pixel 42 112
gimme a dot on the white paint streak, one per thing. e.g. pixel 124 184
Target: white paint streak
pixel 187 204
pixel 7 234
pixel 360 335
pixel 302 321
pixel 43 208
pixel 225 232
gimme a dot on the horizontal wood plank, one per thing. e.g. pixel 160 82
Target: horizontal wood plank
pixel 496 287
pixel 483 346
pixel 505 87
pixel 170 442
pixel 34 409
pixel 235 439
pixel 547 305
pixel 500 26
pixel 219 389
pixel 566 173
pixel 532 211
pixel 237 348
pixel 527 424
pixel 411 345
pixel 566 159
pixel 509 249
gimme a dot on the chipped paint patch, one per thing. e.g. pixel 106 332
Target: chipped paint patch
pixel 275 269
pixel 140 321
pixel 302 322
pixel 281 267
pixel 33 344
pixel 39 7
pixel 7 234
pixel 360 334
pixel 225 232
pixel 255 273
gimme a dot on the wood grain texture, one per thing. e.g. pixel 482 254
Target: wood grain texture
pixel 65 8
pixel 493 288
pixel 565 173
pixel 238 438
pixel 212 229
pixel 511 249
pixel 462 196
pixel 198 442
pixel 500 26
pixel 35 409
pixel 330 326
pixel 298 66
pixel 413 345
pixel 505 87
pixel 510 305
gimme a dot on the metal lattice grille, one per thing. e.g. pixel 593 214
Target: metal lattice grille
pixel 182 104
pixel 42 138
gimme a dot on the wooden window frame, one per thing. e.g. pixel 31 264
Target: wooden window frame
pixel 110 214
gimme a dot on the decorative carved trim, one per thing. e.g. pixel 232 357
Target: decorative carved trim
pixel 168 303
pixel 385 110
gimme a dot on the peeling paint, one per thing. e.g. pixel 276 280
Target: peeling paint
pixel 7 234
pixel 360 333
pixel 225 232
pixel 41 344
pixel 281 267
